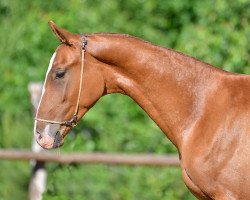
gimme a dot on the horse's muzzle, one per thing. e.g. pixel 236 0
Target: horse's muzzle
pixel 50 137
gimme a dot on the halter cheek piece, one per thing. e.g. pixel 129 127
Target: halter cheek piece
pixel 73 121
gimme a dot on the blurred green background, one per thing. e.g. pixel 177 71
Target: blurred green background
pixel 217 32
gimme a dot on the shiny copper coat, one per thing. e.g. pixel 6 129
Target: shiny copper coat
pixel 203 110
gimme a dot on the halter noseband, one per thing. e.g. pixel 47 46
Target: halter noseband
pixel 73 121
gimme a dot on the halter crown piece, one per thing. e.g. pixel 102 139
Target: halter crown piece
pixel 73 121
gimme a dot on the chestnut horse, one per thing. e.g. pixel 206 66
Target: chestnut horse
pixel 203 110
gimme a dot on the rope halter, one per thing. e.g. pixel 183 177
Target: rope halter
pixel 73 121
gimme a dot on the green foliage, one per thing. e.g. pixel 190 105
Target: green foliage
pixel 116 183
pixel 217 32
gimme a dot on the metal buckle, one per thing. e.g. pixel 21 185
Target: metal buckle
pixel 84 41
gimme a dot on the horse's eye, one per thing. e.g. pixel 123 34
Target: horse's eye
pixel 60 74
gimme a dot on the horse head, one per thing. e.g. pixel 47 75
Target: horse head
pixel 72 85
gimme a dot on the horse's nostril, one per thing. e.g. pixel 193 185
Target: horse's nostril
pixel 39 135
pixel 57 135
pixel 57 140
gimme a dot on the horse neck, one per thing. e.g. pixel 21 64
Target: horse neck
pixel 170 87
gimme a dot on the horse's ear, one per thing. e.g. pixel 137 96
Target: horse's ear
pixel 63 35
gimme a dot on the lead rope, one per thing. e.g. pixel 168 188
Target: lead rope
pixel 73 121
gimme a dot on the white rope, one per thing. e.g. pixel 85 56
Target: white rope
pixel 80 88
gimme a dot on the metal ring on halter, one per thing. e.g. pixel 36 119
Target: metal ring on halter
pixel 73 121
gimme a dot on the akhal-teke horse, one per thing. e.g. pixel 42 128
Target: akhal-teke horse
pixel 204 111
